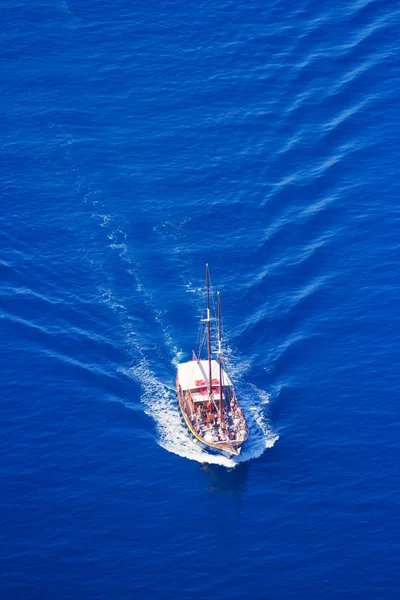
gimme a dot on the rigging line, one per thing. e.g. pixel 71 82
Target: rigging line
pixel 202 343
pixel 199 332
pixel 214 311
pixel 202 339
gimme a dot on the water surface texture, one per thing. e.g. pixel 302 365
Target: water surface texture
pixel 140 140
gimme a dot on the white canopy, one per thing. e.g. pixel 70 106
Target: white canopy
pixel 194 374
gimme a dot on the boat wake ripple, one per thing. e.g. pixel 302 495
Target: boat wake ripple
pixel 159 397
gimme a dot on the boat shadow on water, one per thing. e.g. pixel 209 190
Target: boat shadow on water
pixel 230 481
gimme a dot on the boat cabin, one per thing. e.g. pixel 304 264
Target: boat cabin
pixel 193 381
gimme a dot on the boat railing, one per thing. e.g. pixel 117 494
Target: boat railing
pixel 227 441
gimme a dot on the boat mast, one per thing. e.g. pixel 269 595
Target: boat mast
pixel 220 359
pixel 209 331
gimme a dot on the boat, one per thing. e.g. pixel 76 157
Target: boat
pixel 205 392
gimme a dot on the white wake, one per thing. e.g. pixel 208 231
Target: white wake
pixel 161 404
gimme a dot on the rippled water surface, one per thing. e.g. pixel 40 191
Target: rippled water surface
pixel 140 141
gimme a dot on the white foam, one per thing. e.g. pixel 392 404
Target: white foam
pixel 162 405
pixel 193 290
pixel 123 249
pixel 108 298
pixel 105 221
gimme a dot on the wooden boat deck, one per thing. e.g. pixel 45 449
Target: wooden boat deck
pixel 204 424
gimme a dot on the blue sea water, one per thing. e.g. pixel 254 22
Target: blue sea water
pixel 140 140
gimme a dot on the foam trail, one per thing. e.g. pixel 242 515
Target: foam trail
pixel 261 434
pixel 161 404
